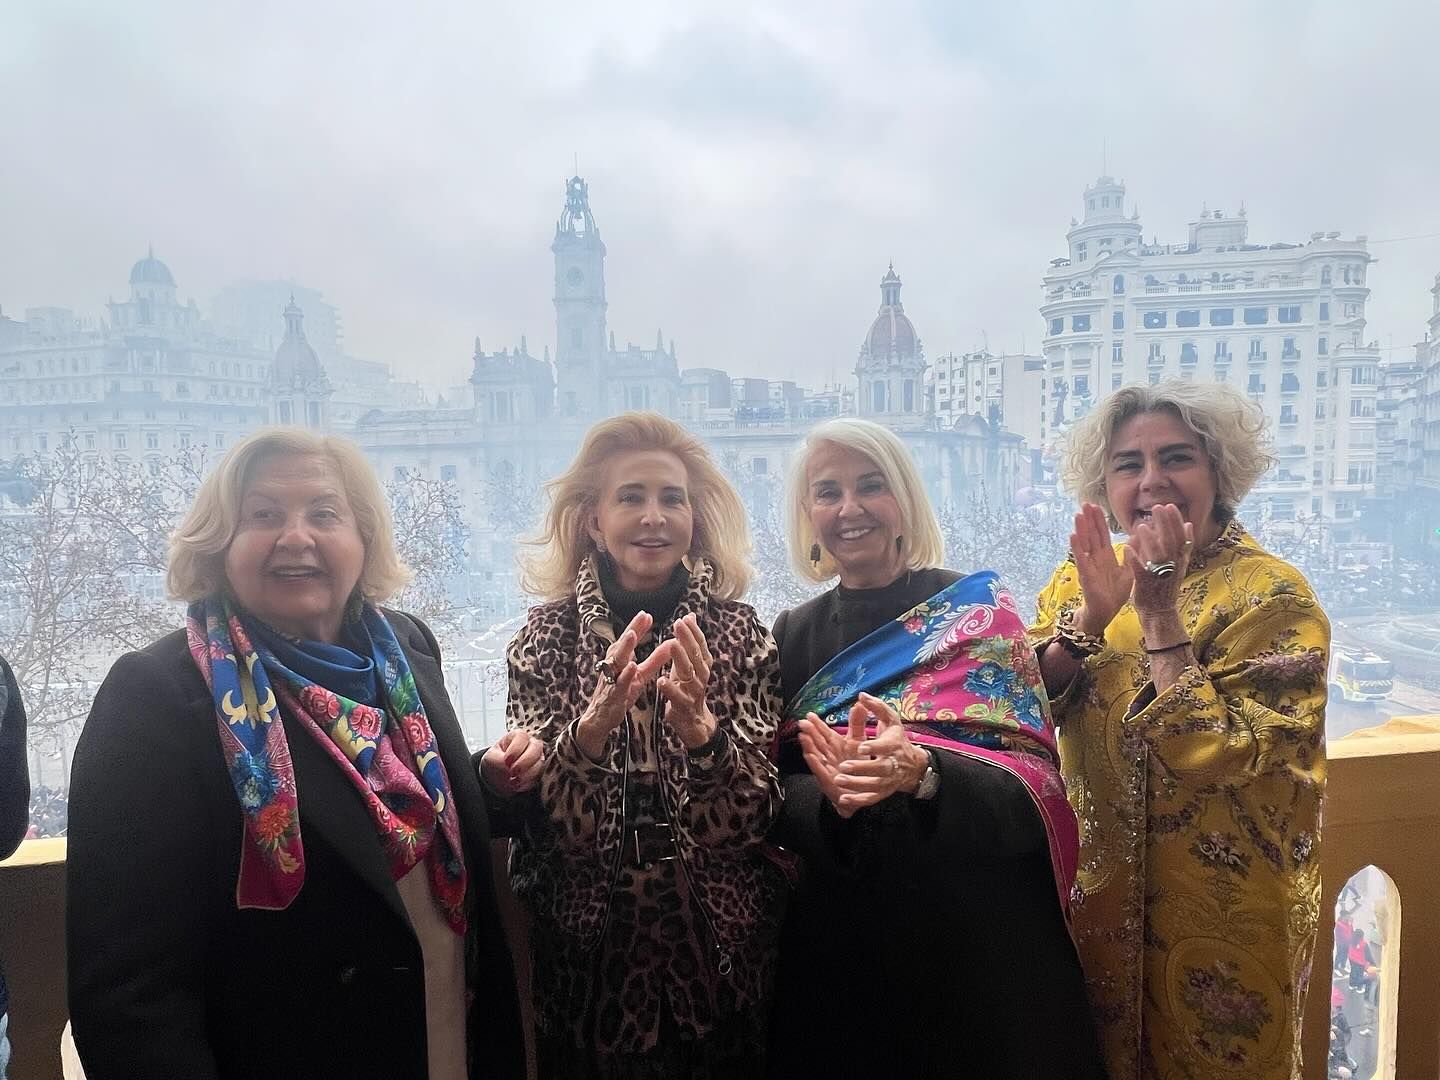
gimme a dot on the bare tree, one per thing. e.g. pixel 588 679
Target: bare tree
pixel 82 558
pixel 432 538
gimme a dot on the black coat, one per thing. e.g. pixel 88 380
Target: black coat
pixel 925 938
pixel 167 978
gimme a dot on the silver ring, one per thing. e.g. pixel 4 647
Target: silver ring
pixel 894 766
pixel 606 670
pixel 1161 569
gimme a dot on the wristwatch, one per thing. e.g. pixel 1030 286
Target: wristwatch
pixel 930 782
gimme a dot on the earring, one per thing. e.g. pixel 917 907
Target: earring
pixel 815 554
pixel 899 540
pixel 600 546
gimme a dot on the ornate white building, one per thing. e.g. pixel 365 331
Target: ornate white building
pixel 1284 323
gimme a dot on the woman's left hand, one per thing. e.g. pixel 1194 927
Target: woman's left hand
pixel 685 683
pixel 885 765
pixel 1165 538
pixel 512 766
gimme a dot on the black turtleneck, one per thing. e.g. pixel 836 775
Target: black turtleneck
pixel 625 603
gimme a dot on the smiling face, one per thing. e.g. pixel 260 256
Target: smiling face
pixel 643 517
pixel 297 553
pixel 855 515
pixel 1156 459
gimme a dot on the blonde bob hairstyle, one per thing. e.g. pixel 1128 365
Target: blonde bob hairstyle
pixel 721 535
pixel 923 546
pixel 198 546
pixel 1231 430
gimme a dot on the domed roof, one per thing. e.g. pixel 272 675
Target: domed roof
pixel 295 359
pixel 892 332
pixel 151 271
pixel 892 329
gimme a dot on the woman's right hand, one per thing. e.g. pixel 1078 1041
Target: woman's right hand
pixel 512 765
pixel 825 749
pixel 612 701
pixel 1105 581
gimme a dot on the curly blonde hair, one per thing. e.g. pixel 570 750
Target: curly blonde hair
pixel 1231 429
pixel 721 536
pixel 924 546
pixel 197 548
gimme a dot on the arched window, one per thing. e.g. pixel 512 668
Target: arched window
pixel 1118 286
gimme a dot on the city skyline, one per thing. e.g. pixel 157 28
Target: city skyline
pixel 747 219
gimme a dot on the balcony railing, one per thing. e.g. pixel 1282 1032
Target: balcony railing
pixel 1382 808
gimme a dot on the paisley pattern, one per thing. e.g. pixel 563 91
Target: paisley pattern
pixel 1199 807
pixel 959 672
pixel 389 754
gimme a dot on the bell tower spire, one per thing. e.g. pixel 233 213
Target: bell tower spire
pixel 580 306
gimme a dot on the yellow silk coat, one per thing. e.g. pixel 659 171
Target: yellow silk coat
pixel 1199 883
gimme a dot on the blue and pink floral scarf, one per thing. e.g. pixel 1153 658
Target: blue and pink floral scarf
pixel 386 748
pixel 960 673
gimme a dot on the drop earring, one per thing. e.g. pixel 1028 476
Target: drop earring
pixel 815 554
pixel 899 541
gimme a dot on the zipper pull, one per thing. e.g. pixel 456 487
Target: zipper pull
pixel 724 967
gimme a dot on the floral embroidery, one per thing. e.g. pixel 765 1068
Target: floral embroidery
pixel 1225 1008
pixel 1222 851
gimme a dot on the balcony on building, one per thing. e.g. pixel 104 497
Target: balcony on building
pixel 1289 383
pixel 1259 358
pixel 1382 809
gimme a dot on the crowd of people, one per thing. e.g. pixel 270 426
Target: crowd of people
pixel 898 832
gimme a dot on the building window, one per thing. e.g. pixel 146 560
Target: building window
pixel 118 440
pixel 1325 275
pixel 89 440
pixel 1116 380
pixel 1222 350
pixel 1257 316
pixel 1118 320
pixel 1320 380
pixel 1290 314
pixel 760 466
pixel 1187 318
pixel 1255 386
pixel 877 391
pixel 1352 311
pixel 1117 286
pixel 1080 254
pixel 1057 326
pixel 284 412
pixel 1222 316
pixel 1082 385
pixel 909 395
pixel 1155 351
pixel 184 440
pixel 1154 320
pixel 1080 323
pixel 1323 346
pixel 1155 377
pixel 1117 352
pixel 1324 312
pixel 1288 350
pixel 1289 383
pixel 447 474
pixel 152 440
pixel 1188 355
pixel 1319 410
pixel 219 440
pixel 1256 351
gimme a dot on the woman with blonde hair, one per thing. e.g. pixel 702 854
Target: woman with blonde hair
pixel 922 795
pixel 648 694
pixel 1187 672
pixel 278 849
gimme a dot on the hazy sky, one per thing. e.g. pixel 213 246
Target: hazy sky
pixel 753 165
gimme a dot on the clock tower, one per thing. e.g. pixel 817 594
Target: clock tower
pixel 580 342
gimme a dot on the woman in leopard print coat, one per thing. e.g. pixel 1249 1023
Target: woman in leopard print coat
pixel 652 695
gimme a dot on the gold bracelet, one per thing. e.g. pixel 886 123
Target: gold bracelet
pixel 1075 641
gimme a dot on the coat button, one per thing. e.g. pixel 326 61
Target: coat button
pixel 348 973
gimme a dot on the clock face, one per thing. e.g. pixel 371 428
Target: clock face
pixel 575 277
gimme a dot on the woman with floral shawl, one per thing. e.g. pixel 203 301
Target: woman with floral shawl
pixel 1187 671
pixel 923 799
pixel 278 852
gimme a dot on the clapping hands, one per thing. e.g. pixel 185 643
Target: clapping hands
pixel 855 772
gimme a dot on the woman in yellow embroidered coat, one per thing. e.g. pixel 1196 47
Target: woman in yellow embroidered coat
pixel 1187 669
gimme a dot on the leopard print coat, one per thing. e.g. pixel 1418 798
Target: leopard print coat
pixel 612 941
